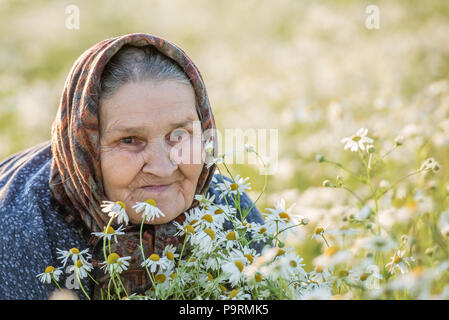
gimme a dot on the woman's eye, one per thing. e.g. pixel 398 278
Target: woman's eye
pixel 179 135
pixel 127 140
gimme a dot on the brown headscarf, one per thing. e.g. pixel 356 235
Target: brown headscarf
pixel 75 177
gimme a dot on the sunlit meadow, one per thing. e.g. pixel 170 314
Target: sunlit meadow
pixel 362 116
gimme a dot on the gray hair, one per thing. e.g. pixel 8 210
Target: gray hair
pixel 137 64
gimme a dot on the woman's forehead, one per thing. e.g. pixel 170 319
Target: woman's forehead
pixel 140 106
pixel 125 127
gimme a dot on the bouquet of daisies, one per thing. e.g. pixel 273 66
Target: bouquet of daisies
pixel 223 256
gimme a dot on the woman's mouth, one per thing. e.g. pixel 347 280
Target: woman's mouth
pixel 157 188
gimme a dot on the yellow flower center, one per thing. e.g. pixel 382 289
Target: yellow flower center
pixel 284 216
pixel 151 201
pixel 364 276
pixel 218 211
pixel 223 288
pixel 113 258
pixel 319 269
pixel 210 277
pixel 258 277
pixel 170 255
pixel 343 273
pixel 397 259
pixel 262 230
pixel 234 186
pixel 319 230
pixel 208 218
pixel 331 251
pixel 74 251
pixel 210 233
pixel 249 257
pixel 189 229
pixel 160 278
pixel 231 236
pixel 49 269
pixel 154 257
pixel 121 204
pixel 233 293
pixel 280 252
pixel 173 275
pixel 79 264
pixel 191 259
pixel 239 265
pixel 293 263
pixel 109 230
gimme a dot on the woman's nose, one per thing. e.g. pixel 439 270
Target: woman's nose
pixel 157 159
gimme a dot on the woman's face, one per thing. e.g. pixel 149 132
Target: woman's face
pixel 144 126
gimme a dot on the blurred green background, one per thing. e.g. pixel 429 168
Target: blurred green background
pixel 310 69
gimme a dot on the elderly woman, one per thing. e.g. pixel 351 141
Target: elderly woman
pixel 128 103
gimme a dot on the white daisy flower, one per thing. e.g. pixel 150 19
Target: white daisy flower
pixel 230 240
pixel 213 218
pixel 289 265
pixel 154 261
pixel 170 252
pixel 150 211
pixel 220 212
pixel 318 233
pixel 81 268
pixel 357 141
pixel 399 262
pixel 367 274
pixel 116 210
pixel 189 263
pixel 234 267
pixel 205 200
pixel 235 294
pixel 115 264
pixel 163 279
pixel 73 253
pixel 212 263
pixel 49 274
pixel 211 160
pixel 233 187
pixel 206 240
pixel 280 218
pixel 109 233
pixel 320 274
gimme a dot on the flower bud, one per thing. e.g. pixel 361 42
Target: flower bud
pixel 399 141
pixel 327 183
pixel 320 158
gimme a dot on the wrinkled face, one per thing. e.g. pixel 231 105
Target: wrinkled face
pixel 150 143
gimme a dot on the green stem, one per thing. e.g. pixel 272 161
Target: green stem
pixel 54 280
pixel 143 256
pixel 353 193
pixel 324 238
pixel 81 285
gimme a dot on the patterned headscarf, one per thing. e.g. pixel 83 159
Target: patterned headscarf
pixel 75 177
